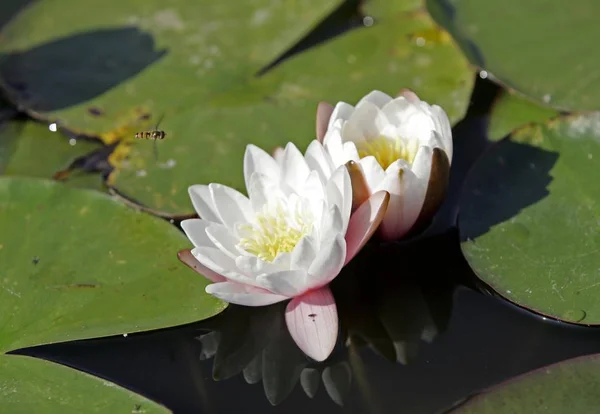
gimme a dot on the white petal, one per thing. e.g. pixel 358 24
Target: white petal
pixel 232 206
pixel 254 266
pixel 444 129
pixel 312 188
pixel 219 262
pixel 377 98
pixel 373 172
pixel 288 282
pixel 222 238
pixel 203 203
pixel 399 110
pixel 304 253
pixel 342 111
pixel 261 189
pixel 318 160
pixel 350 151
pixel 294 167
pixel 243 294
pixel 407 194
pixel 339 193
pixel 417 126
pixel 328 263
pixel 332 221
pixel 195 230
pixel 257 160
pixel 366 122
pixel 333 144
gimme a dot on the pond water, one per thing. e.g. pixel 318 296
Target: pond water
pixel 487 341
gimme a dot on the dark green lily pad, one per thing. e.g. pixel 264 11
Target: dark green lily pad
pixel 30 149
pixel 29 385
pixel 539 50
pixel 529 218
pixel 570 386
pixel 76 264
pixel 512 111
pixel 196 65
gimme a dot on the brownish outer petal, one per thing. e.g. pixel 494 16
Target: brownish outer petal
pixel 360 188
pixel 436 188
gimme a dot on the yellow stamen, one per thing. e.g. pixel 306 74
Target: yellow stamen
pixel 387 150
pixel 277 229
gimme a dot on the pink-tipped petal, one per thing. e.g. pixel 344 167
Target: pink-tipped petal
pixel 187 258
pixel 364 222
pixel 245 295
pixel 324 111
pixel 278 155
pixel 313 322
pixel 409 95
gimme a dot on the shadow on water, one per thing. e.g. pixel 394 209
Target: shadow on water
pixel 10 8
pixel 74 69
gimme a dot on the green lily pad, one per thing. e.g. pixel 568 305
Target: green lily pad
pixel 540 51
pixel 75 264
pixel 512 111
pixel 29 385
pixel 122 55
pixel 530 218
pixel 566 387
pixel 206 144
pixel 204 87
pixel 30 149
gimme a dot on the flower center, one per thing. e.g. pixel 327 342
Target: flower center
pixel 276 229
pixel 387 150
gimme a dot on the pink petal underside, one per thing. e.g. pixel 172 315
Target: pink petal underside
pixel 187 258
pixel 324 111
pixel 364 222
pixel 313 322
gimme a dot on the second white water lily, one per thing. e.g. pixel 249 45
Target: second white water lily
pixel 287 240
pixel 401 145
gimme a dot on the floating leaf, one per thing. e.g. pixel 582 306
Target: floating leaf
pixel 29 385
pixel 539 50
pixel 29 149
pixel 205 83
pixel 567 387
pixel 76 264
pixel 512 111
pixel 529 218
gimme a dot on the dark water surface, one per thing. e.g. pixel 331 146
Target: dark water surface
pixel 487 341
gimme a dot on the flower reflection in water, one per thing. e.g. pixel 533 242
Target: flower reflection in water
pixel 390 298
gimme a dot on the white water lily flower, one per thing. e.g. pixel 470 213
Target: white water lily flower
pixel 401 145
pixel 287 240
